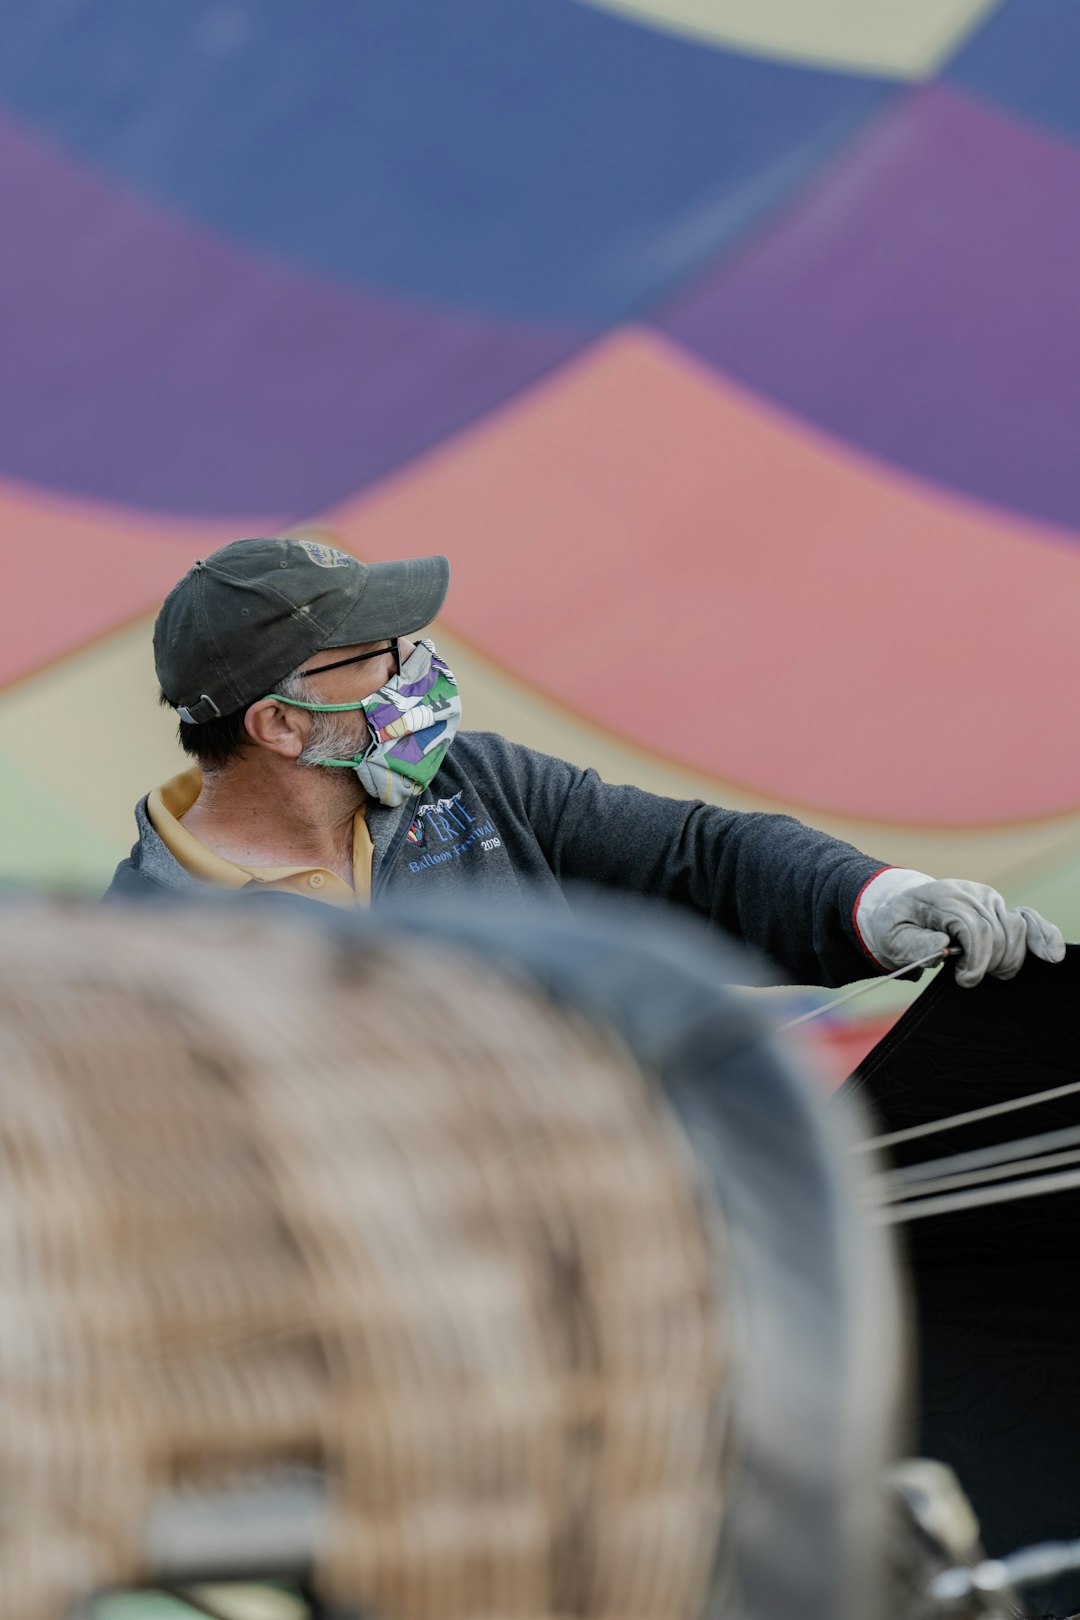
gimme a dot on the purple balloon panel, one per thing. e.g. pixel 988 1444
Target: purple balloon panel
pixel 923 302
pixel 148 363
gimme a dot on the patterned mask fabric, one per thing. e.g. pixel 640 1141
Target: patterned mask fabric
pixel 412 721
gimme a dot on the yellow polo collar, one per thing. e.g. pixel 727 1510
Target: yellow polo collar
pixel 168 803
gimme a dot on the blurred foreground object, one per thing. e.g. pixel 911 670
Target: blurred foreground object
pixel 460 1268
pixel 977 1096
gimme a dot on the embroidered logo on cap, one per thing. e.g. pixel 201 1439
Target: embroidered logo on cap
pixel 326 556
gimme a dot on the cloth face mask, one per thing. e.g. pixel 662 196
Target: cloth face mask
pixel 412 721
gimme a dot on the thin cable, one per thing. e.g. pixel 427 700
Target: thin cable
pixel 871 984
pixel 1001 1153
pixel 1003 1175
pixel 918 1209
pixel 952 1121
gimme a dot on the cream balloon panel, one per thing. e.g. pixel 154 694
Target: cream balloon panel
pixel 870 36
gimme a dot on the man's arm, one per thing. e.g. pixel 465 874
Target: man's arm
pixel 770 881
pixel 818 907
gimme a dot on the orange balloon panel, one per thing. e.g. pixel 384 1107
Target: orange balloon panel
pixel 689 568
pixel 75 570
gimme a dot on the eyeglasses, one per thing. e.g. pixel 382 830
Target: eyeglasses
pixel 361 658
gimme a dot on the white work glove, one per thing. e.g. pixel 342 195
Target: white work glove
pixel 903 916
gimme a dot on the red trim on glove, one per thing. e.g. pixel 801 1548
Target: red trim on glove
pixel 855 913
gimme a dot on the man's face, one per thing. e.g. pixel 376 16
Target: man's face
pixel 345 735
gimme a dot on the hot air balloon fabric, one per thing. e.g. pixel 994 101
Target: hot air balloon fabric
pixel 729 348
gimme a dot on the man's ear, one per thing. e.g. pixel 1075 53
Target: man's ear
pixel 277 726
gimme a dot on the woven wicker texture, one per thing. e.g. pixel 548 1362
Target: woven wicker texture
pixel 268 1201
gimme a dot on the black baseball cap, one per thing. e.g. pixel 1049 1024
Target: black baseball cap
pixel 255 610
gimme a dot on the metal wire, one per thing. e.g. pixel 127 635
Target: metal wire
pixel 972 1178
pixel 918 1209
pixel 871 984
pixel 953 1121
pixel 1019 1147
pixel 943 1186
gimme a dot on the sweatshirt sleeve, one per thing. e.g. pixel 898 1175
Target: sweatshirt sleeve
pixel 781 887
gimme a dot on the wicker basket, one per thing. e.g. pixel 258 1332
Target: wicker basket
pixel 273 1210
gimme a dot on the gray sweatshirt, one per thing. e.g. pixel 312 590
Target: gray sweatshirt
pixel 503 822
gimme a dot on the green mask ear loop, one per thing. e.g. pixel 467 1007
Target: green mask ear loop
pixel 317 708
pixel 321 708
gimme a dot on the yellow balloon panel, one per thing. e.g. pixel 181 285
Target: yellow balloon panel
pixel 47 840
pixel 69 788
pixel 89 732
pixel 907 41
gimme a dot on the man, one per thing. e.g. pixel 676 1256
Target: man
pixel 329 764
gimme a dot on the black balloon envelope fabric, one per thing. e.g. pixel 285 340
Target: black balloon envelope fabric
pixel 995 1284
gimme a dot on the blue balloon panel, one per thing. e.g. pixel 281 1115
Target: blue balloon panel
pixel 149 362
pixel 1027 59
pixel 535 159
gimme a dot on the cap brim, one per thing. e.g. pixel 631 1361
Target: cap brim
pixel 397 598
